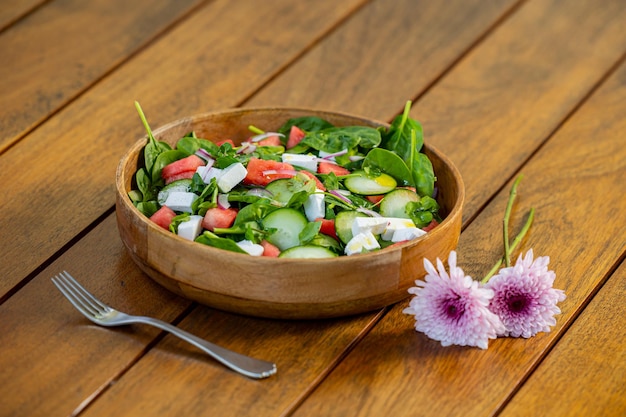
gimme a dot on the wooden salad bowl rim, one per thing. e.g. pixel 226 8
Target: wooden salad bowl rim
pixel 278 287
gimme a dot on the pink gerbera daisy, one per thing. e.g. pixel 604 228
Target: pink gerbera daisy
pixel 524 298
pixel 452 308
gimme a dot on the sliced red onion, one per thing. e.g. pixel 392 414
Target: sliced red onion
pixel 291 172
pixel 258 138
pixel 328 161
pixel 340 196
pixel 202 153
pixel 344 192
pixel 222 201
pixel 207 168
pixel 369 212
pixel 332 155
pixel 246 148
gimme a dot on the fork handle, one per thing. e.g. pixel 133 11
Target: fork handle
pixel 245 365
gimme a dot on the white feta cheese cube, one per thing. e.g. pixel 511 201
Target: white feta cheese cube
pixel 191 228
pixel 180 201
pixel 394 224
pixel 251 248
pixel 314 206
pixel 409 233
pixel 376 225
pixel 208 173
pixel 303 161
pixel 231 176
pixel 360 242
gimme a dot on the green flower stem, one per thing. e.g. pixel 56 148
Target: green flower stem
pixel 514 244
pixel 145 122
pixel 507 215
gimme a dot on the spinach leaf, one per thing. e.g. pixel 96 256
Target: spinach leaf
pixel 398 136
pixel 390 163
pixel 148 208
pixel 188 144
pixel 308 124
pixel 309 232
pixel 339 138
pixel 211 239
pixel 255 211
pixel 423 175
pixel 422 212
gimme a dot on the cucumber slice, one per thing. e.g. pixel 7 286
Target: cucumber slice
pixel 308 251
pixel 326 241
pixel 288 223
pixel 358 182
pixel 284 188
pixel 183 185
pixel 394 203
pixel 343 224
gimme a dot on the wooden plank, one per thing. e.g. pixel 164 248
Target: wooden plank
pixel 49 60
pixel 48 347
pixel 408 374
pixel 284 341
pixel 223 56
pixel 585 374
pixel 544 82
pixel 12 10
pixel 389 52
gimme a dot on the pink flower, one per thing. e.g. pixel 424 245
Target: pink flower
pixel 524 298
pixel 453 308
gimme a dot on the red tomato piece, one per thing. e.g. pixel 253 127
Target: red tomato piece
pixel 221 142
pixel 434 223
pixel 163 217
pixel 295 136
pixel 318 183
pixel 269 141
pixel 256 168
pixel 328 167
pixel 270 250
pixel 189 163
pixel 375 199
pixel 182 175
pixel 328 227
pixel 219 218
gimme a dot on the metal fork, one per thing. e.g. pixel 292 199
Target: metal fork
pixel 100 313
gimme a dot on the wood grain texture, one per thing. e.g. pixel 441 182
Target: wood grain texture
pixel 518 86
pixel 409 374
pixel 387 53
pixel 87 139
pixel 52 357
pixel 173 380
pixel 588 365
pixel 13 10
pixel 49 55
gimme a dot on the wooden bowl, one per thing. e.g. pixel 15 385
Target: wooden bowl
pixel 274 287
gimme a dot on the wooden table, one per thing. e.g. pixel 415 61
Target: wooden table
pixel 502 87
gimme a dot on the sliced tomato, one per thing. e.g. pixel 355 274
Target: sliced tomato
pixel 257 167
pixel 219 218
pixel 223 141
pixel 318 183
pixel 295 136
pixel 434 223
pixel 270 250
pixel 375 198
pixel 189 163
pixel 328 167
pixel 163 217
pixel 269 141
pixel 328 227
pixel 181 176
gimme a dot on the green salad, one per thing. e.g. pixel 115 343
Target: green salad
pixel 307 190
